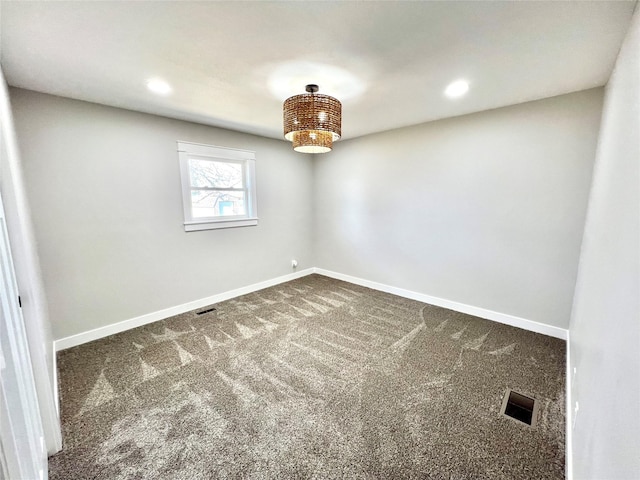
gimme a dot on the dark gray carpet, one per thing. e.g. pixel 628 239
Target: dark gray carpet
pixel 314 378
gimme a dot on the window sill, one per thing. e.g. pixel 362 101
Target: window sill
pixel 213 225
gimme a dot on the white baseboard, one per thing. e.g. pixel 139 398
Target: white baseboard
pixel 95 334
pixel 451 305
pixel 568 445
pixel 101 332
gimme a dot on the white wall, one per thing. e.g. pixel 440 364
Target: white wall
pixel 28 274
pixel 485 210
pixel 605 323
pixel 104 188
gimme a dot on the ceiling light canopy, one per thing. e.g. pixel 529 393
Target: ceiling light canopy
pixel 312 121
pixel 285 79
pixel 457 89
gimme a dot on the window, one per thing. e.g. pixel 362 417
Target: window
pixel 218 187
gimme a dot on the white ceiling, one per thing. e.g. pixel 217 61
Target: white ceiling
pixel 232 63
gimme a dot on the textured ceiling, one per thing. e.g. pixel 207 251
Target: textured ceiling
pixel 232 63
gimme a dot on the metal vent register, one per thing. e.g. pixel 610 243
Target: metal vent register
pixel 520 407
pixel 206 310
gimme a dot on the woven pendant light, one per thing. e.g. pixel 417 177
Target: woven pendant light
pixel 312 121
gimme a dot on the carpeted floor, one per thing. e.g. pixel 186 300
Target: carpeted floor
pixel 315 378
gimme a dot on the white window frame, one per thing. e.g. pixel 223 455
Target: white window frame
pixel 187 151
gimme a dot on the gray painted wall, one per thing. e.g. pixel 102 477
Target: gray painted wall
pixel 104 189
pixel 486 209
pixel 605 323
pixel 28 273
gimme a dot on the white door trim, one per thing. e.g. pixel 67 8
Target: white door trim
pixel 21 436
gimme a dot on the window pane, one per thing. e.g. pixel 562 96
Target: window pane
pixel 208 203
pixel 207 173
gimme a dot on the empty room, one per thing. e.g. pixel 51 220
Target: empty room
pixel 323 240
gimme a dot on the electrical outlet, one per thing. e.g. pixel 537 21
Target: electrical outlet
pixel 294 263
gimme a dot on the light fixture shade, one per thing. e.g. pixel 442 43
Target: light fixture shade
pixel 312 141
pixel 312 121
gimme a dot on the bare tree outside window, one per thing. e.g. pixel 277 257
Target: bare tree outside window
pixel 217 188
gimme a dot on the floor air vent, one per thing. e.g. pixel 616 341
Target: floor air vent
pixel 207 310
pixel 520 407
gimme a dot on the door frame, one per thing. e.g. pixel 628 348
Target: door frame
pixel 23 451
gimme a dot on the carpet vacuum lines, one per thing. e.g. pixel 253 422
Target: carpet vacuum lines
pixel 314 378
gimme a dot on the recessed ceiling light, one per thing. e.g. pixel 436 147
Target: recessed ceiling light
pixel 159 86
pixel 457 89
